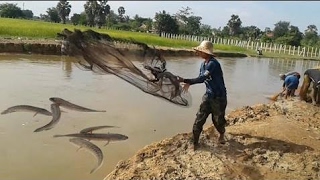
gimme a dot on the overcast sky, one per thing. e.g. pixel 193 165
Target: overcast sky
pixel 214 13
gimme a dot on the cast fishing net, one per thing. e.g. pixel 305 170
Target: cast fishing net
pixel 127 59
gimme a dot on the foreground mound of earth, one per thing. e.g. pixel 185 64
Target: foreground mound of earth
pixel 280 140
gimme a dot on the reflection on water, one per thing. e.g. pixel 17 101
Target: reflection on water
pixel 67 68
pixel 32 80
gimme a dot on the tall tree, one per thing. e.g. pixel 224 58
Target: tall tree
pixel 311 37
pixel 312 28
pixel 103 9
pixel 292 37
pixel 206 30
pixel 121 12
pixel 182 17
pixel 165 23
pixel 193 25
pixel 10 10
pixel 75 19
pixel 295 36
pixel 64 9
pixel 91 9
pixel 251 32
pixel 53 15
pixel 28 14
pixel 234 25
pixel 112 18
pixel 281 28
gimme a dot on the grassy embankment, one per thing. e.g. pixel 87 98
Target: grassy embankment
pixel 15 28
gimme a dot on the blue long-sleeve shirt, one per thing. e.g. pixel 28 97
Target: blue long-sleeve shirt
pixel 211 74
pixel 291 82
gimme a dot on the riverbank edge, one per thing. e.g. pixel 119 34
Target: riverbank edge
pixel 53 47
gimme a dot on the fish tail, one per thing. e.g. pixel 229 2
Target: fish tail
pixel 93 170
pixel 57 135
pixel 37 130
pixel 96 168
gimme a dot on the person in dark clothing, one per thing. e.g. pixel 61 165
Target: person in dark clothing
pixel 291 83
pixel 283 76
pixel 214 101
pixel 311 76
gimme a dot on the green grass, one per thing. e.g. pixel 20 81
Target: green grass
pixel 40 30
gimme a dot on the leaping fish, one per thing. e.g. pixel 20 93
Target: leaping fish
pixel 56 114
pixel 90 129
pixel 97 136
pixel 27 108
pixel 71 106
pixel 95 150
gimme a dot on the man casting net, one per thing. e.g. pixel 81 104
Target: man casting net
pixel 102 54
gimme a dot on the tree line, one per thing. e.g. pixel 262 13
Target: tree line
pixel 97 13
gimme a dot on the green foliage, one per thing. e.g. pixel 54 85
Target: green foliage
pixel 310 39
pixel 122 26
pixel 187 22
pixel 121 12
pixel 10 10
pixel 225 32
pixel 250 33
pixel 294 36
pixel 96 12
pixel 165 23
pixel 103 10
pixel 193 25
pixel 234 25
pixel 28 14
pixel 53 15
pixel 75 19
pixel 206 30
pixel 281 28
pixel 64 9
pixel 40 29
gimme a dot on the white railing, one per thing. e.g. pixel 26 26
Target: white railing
pixel 254 45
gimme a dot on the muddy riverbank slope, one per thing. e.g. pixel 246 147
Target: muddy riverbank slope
pixel 280 140
pixel 53 47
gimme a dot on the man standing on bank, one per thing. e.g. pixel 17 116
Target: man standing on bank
pixel 214 101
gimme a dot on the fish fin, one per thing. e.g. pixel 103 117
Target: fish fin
pixel 107 143
pixel 93 170
pixel 78 149
pixel 63 111
pixel 35 114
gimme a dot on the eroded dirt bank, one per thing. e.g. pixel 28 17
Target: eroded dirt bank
pixel 53 47
pixel 279 140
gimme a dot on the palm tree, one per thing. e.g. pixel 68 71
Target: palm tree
pixel 64 9
pixel 312 28
pixel 121 12
pixel 90 8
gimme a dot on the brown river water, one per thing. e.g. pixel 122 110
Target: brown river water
pixel 32 80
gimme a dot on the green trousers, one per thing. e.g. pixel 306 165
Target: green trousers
pixel 214 106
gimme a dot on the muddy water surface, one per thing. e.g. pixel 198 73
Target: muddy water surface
pixel 32 80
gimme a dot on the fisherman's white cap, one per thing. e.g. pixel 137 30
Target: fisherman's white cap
pixel 206 47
